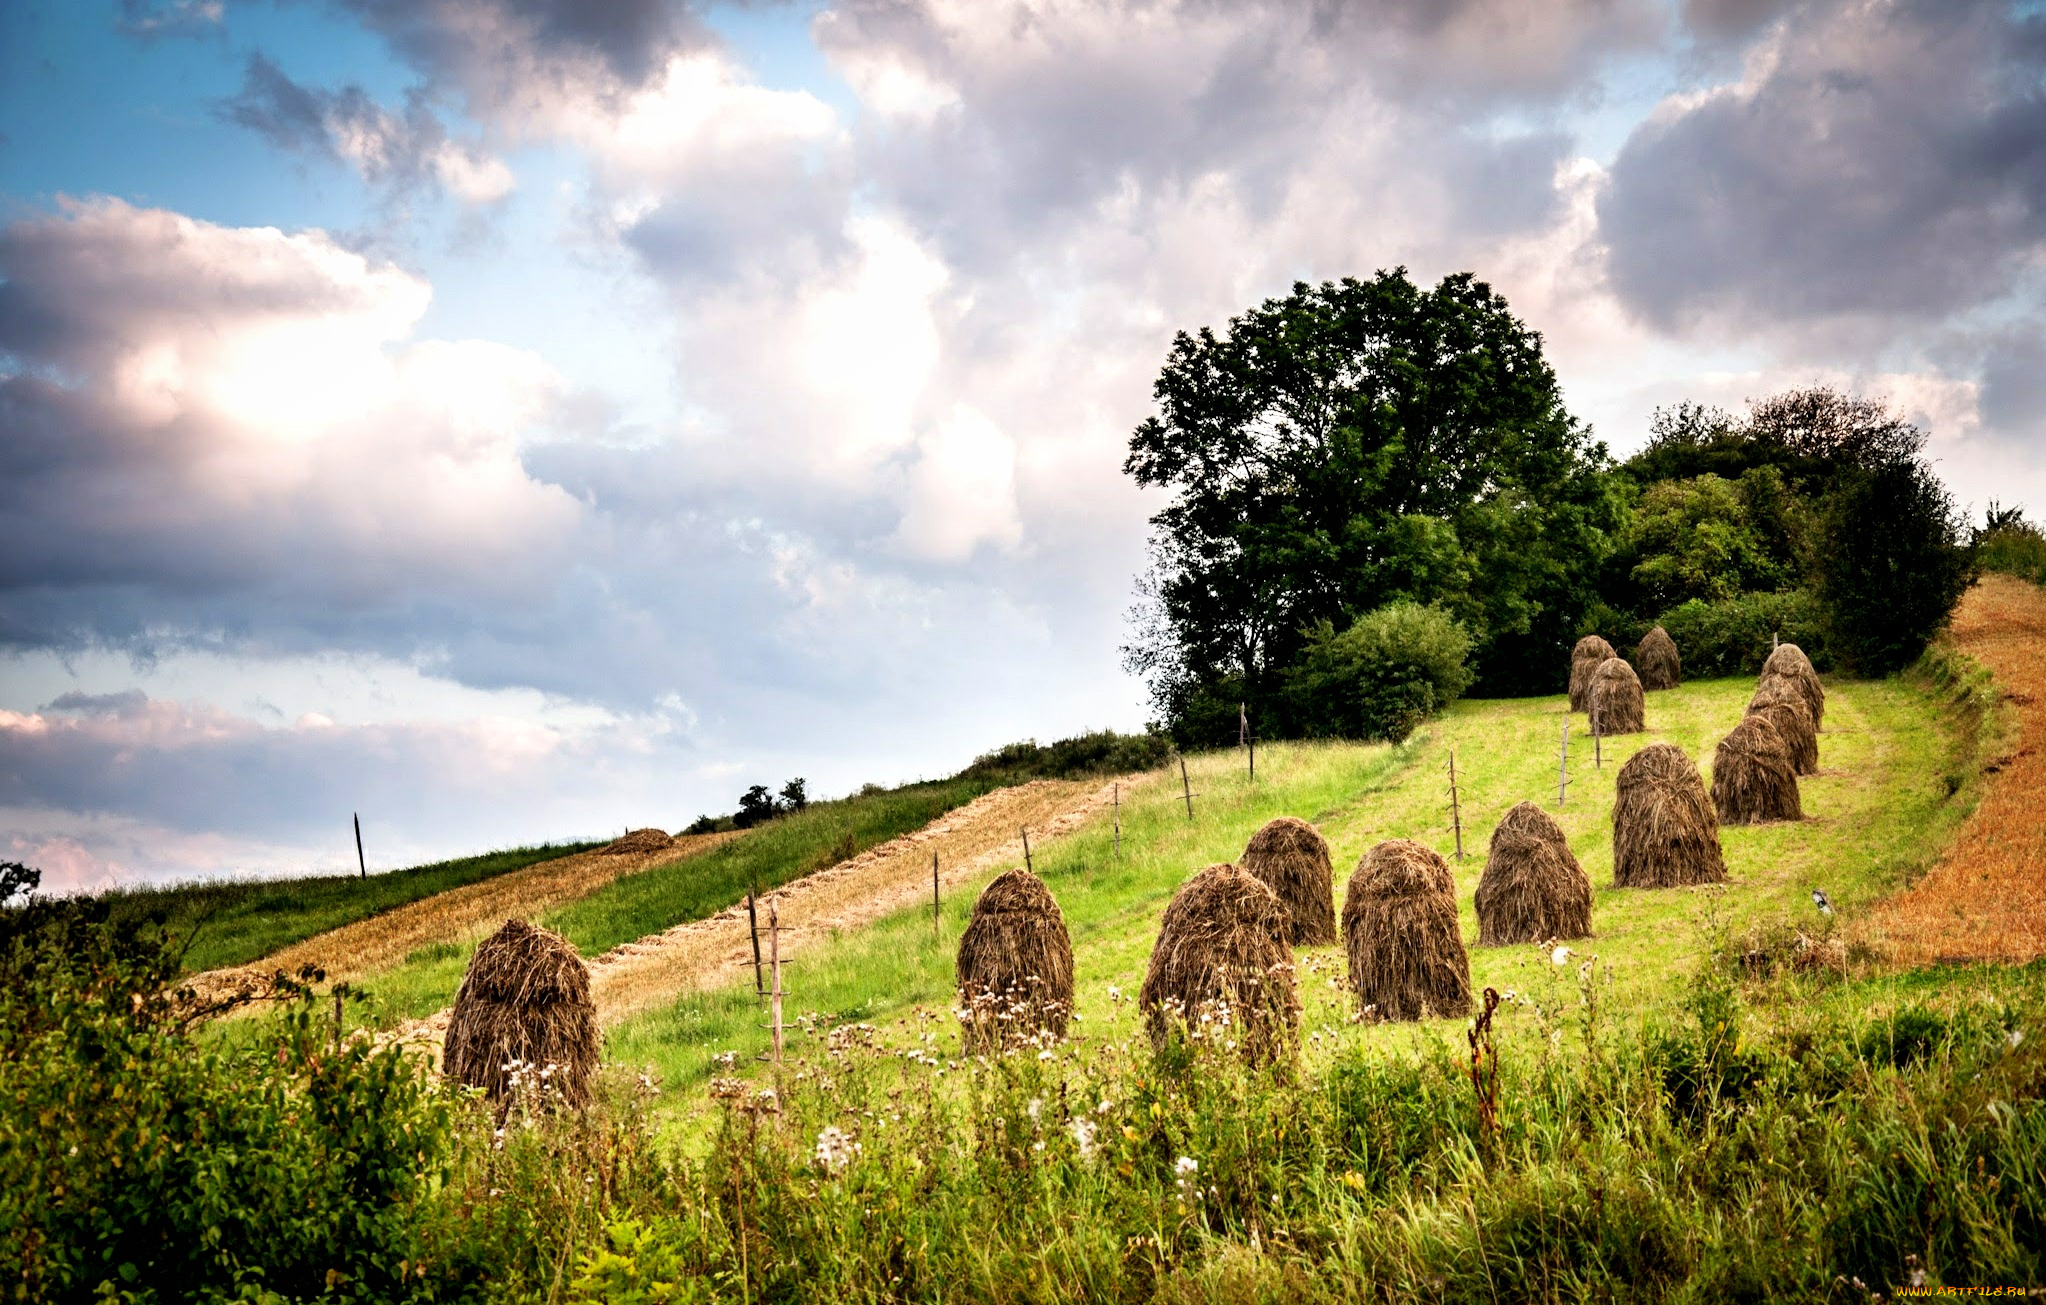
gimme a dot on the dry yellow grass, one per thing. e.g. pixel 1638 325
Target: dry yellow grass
pixel 1986 897
pixel 460 915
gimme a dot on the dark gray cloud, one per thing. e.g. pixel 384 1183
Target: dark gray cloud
pixel 1882 159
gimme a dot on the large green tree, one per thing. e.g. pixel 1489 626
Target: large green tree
pixel 1349 445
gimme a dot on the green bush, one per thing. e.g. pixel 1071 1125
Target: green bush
pixel 1100 752
pixel 2011 545
pixel 1734 637
pixel 1890 565
pixel 1381 677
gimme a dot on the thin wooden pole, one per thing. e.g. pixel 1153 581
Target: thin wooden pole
pixel 1118 821
pixel 1026 849
pixel 1598 758
pixel 1455 807
pixel 774 952
pixel 1186 787
pixel 1242 724
pixel 935 905
pixel 1251 739
pixel 753 927
pixel 1563 763
pixel 360 864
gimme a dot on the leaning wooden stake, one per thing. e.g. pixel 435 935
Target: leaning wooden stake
pixel 1598 759
pixel 359 862
pixel 753 927
pixel 1118 820
pixel 1455 807
pixel 1563 764
pixel 935 905
pixel 774 952
pixel 1027 865
pixel 1186 787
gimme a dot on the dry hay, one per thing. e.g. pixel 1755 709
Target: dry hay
pixel 1789 663
pixel 1533 889
pixel 1222 958
pixel 1665 834
pixel 1407 958
pixel 1015 968
pixel 1753 780
pixel 1779 702
pixel 1617 704
pixel 525 1000
pixel 1657 661
pixel 1292 858
pixel 637 843
pixel 1590 653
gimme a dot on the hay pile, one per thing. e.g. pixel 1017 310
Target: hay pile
pixel 525 998
pixel 1789 663
pixel 1292 858
pixel 637 843
pixel 1590 653
pixel 1222 953
pixel 1752 778
pixel 1533 889
pixel 1617 705
pixel 1655 658
pixel 1015 968
pixel 1779 702
pixel 1407 958
pixel 1665 834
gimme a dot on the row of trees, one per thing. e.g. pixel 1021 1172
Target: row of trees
pixel 1379 499
pixel 757 806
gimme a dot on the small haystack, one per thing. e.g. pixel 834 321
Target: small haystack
pixel 1617 705
pixel 1752 778
pixel 637 843
pixel 1664 832
pixel 1292 858
pixel 1657 662
pixel 1785 656
pixel 1801 677
pixel 525 999
pixel 1590 653
pixel 1222 952
pixel 1783 706
pixel 1407 958
pixel 1533 889
pixel 1015 966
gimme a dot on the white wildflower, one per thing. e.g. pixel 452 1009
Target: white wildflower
pixel 835 1148
pixel 1034 1108
pixel 1561 956
pixel 2016 1036
pixel 1186 1164
pixel 1083 1136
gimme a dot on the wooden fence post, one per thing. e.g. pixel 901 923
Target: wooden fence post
pixel 1563 763
pixel 360 864
pixel 1118 821
pixel 1455 807
pixel 1186 786
pixel 774 952
pixel 935 904
pixel 753 927
pixel 1027 864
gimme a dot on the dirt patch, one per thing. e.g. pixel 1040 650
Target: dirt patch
pixel 1986 898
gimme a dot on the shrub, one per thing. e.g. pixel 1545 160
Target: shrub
pixel 1100 752
pixel 1381 677
pixel 1733 637
pixel 1890 564
pixel 2009 544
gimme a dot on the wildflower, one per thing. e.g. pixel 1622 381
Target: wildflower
pixel 1102 1107
pixel 1186 1164
pixel 1114 993
pixel 1035 1106
pixel 2016 1036
pixel 1561 956
pixel 835 1148
pixel 1045 1054
pixel 1083 1136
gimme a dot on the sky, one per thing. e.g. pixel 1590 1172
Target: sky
pixel 529 419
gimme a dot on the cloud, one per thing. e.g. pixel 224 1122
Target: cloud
pixel 401 152
pixel 150 20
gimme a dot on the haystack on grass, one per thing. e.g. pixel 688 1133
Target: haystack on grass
pixel 1799 675
pixel 1532 889
pixel 1617 705
pixel 1655 658
pixel 1783 706
pixel 637 843
pixel 525 1000
pixel 1665 834
pixel 1752 778
pixel 1785 656
pixel 1407 958
pixel 1292 858
pixel 1590 653
pixel 1222 953
pixel 1015 967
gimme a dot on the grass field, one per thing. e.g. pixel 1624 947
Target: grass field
pixel 1877 815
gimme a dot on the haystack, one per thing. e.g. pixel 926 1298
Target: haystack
pixel 1752 778
pixel 1532 889
pixel 1222 953
pixel 1616 703
pixel 1292 858
pixel 1015 966
pixel 1590 653
pixel 637 843
pixel 1801 677
pixel 1664 832
pixel 1779 701
pixel 1407 958
pixel 1783 657
pixel 525 999
pixel 1655 658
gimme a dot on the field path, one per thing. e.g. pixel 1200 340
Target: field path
pixel 1986 897
pixel 969 840
pixel 463 914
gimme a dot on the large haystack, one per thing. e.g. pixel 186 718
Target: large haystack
pixel 525 1000
pixel 1752 778
pixel 1785 656
pixel 1292 858
pixel 1784 707
pixel 1617 705
pixel 1801 677
pixel 1664 832
pixel 1655 658
pixel 1532 889
pixel 637 843
pixel 1015 967
pixel 1590 653
pixel 1222 953
pixel 1407 958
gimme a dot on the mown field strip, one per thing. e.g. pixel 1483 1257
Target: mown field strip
pixel 1985 899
